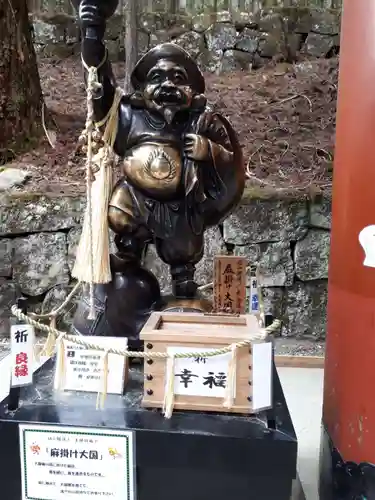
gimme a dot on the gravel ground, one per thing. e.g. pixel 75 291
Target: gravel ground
pixel 292 347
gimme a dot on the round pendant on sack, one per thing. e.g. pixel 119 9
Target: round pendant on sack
pixel 160 168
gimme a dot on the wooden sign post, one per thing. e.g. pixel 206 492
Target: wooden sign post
pixel 230 284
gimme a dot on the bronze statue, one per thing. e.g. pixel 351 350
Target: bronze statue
pixel 182 171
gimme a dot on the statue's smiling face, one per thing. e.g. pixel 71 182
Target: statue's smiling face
pixel 167 89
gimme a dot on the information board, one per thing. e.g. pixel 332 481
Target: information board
pixel 72 463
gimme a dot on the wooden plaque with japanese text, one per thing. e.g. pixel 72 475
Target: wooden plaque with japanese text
pixel 200 383
pixel 230 284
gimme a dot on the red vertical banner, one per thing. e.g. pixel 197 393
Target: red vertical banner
pixel 349 400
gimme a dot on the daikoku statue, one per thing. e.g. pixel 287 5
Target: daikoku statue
pixel 182 172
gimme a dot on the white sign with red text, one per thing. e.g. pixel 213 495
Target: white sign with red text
pixel 22 355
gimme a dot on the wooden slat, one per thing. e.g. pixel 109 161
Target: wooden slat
pixel 154 389
pixel 218 328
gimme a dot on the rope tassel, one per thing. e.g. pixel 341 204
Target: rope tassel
pixel 169 388
pixel 230 391
pixel 49 346
pixel 60 363
pixel 100 400
pixel 94 240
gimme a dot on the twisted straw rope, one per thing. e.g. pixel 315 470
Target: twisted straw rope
pixel 77 339
pixel 92 86
pixel 55 312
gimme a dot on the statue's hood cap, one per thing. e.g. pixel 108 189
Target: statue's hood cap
pixel 174 53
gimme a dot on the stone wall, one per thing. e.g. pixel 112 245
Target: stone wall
pixel 287 238
pixel 227 42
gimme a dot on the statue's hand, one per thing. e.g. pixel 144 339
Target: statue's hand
pixel 196 147
pixel 205 122
pixel 89 14
pixel 94 13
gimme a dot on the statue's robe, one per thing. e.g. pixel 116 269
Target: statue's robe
pixel 161 189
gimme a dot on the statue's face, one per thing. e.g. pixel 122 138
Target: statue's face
pixel 167 89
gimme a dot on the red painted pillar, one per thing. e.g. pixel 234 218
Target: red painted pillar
pixel 349 388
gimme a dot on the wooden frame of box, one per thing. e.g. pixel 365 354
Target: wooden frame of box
pixel 199 332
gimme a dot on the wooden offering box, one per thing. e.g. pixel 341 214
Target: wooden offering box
pixel 200 383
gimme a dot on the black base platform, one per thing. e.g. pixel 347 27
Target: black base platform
pixel 192 456
pixel 340 480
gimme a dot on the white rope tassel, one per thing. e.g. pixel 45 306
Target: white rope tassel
pixel 230 392
pixel 49 347
pixel 98 234
pixel 60 363
pixel 100 192
pixel 95 232
pixel 169 388
pixel 85 251
pixel 100 400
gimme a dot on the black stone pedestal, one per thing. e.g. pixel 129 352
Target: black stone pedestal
pixel 341 480
pixel 192 456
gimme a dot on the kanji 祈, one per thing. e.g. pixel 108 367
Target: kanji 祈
pixel 21 336
pixel 200 359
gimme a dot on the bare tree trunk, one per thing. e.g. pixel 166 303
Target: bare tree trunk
pixel 20 91
pixel 173 6
pixel 131 41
